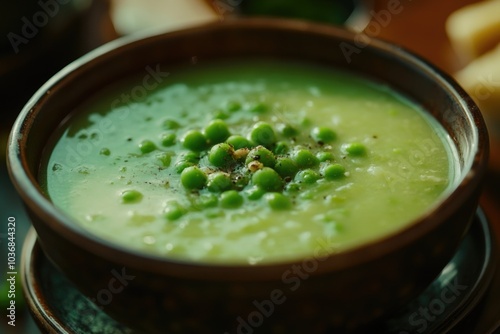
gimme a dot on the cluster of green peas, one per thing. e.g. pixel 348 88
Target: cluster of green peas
pixel 258 165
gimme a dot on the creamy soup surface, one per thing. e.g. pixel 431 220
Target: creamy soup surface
pixel 247 162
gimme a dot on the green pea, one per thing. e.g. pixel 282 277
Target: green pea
pixel 308 176
pixel 185 160
pixel 208 201
pixel 174 211
pixel 334 171
pixel 288 130
pixel 190 157
pixel 105 151
pixel 216 131
pixel 258 108
pixel 233 106
pixel 255 193
pixel 278 201
pixel 240 181
pixel 219 181
pixel 325 156
pixel 281 148
pixel 165 159
pixel 219 114
pixel 147 146
pixel 305 159
pixel 267 179
pixel 355 149
pixel 263 134
pixel 221 155
pixel 286 167
pixel 168 139
pixel 170 124
pixel 239 142
pixel 262 155
pixel 306 122
pixel 293 187
pixel 131 196
pixel 323 134
pixel 231 199
pixel 181 165
pixel 194 140
pixel 193 178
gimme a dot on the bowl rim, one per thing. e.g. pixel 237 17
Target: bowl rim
pixel 27 185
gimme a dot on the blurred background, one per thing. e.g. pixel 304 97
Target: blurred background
pixel 42 36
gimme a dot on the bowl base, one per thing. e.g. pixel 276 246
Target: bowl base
pixel 56 304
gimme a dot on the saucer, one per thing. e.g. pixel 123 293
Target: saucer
pixel 58 307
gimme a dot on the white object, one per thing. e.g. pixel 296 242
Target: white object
pixel 131 16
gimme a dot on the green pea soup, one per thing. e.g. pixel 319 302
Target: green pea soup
pixel 248 162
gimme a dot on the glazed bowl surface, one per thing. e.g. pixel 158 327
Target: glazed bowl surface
pixel 345 290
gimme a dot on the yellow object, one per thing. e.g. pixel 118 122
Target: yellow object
pixel 474 29
pixel 130 16
pixel 474 32
pixel 481 79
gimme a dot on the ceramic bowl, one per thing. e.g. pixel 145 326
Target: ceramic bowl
pixel 344 291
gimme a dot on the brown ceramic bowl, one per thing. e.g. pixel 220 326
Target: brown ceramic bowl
pixel 345 290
